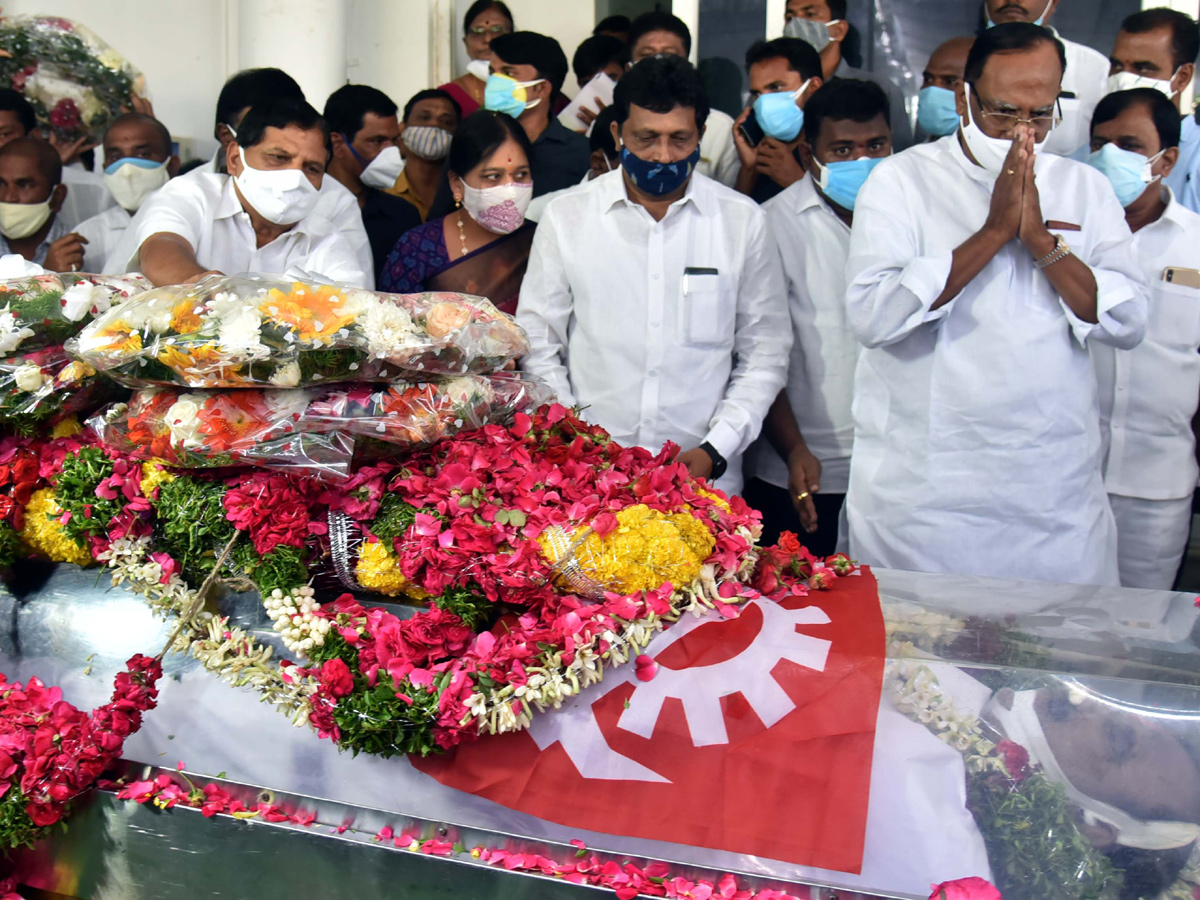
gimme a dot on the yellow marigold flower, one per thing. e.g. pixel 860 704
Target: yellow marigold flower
pixel 646 549
pixel 715 498
pixel 378 570
pixel 316 314
pixel 154 475
pixel 67 427
pixel 45 536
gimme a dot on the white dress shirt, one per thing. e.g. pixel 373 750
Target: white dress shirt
pixel 207 213
pixel 615 325
pixel 1087 78
pixel 1149 394
pixel 336 204
pixel 87 195
pixel 718 154
pixel 103 232
pixel 976 427
pixel 813 246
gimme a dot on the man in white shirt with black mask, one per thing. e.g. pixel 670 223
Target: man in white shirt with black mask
pixel 654 296
pixel 259 218
pixel 137 162
pixel 980 271
pixel 1084 80
pixel 1148 395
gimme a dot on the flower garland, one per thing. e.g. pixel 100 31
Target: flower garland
pixel 1036 850
pixel 51 752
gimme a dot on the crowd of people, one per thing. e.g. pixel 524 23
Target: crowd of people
pixel 966 341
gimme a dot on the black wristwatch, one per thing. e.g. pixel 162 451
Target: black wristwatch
pixel 719 462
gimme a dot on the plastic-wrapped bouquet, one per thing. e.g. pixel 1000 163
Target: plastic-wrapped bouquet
pixel 293 428
pixel 248 331
pixel 45 310
pixel 75 81
pixel 45 386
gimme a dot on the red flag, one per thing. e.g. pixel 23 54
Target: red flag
pixel 755 736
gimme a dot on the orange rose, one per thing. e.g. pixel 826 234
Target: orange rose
pixel 446 318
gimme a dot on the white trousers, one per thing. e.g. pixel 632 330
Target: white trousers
pixel 1152 537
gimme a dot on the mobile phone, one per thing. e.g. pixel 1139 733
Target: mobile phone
pixel 751 130
pixel 1185 277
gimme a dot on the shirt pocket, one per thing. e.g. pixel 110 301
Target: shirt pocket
pixel 707 307
pixel 1174 319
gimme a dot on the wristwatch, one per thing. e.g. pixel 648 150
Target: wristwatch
pixel 1060 252
pixel 719 463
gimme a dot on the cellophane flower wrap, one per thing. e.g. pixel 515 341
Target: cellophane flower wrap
pixel 75 81
pixel 46 310
pixel 46 386
pixel 254 331
pixel 286 428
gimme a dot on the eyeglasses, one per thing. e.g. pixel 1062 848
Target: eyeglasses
pixel 481 30
pixel 1009 121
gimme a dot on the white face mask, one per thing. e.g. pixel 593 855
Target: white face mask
pixel 282 196
pixel 384 169
pixel 131 182
pixel 499 209
pixel 1127 81
pixel 20 220
pixel 480 68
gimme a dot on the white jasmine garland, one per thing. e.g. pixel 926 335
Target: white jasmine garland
pixel 28 378
pixel 11 331
pixel 183 420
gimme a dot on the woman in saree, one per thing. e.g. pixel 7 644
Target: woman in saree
pixel 486 19
pixel 482 246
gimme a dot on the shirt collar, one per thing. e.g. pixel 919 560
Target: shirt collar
pixel 697 193
pixel 555 132
pixel 1175 211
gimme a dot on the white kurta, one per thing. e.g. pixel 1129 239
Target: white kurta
pixel 103 232
pixel 813 246
pixel 1086 78
pixel 87 195
pixel 616 325
pixel 207 213
pixel 977 432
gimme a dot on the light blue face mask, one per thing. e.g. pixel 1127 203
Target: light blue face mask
pixel 1128 172
pixel 778 115
pixel 936 112
pixel 133 161
pixel 841 181
pixel 507 95
pixel 1038 21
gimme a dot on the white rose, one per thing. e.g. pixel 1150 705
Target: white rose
pixel 28 378
pixel 462 391
pixel 11 335
pixel 183 420
pixel 285 404
pixel 77 301
pixel 287 376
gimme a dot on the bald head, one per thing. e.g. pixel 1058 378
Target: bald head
pixel 947 64
pixel 37 155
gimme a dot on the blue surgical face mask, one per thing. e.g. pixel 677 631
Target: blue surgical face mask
pixel 507 95
pixel 656 178
pixel 1130 173
pixel 815 34
pixel 841 181
pixel 1038 21
pixel 778 115
pixel 936 111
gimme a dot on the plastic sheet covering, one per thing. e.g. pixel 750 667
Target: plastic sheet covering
pixel 46 386
pixel 45 310
pixel 291 428
pixel 76 83
pixel 254 330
